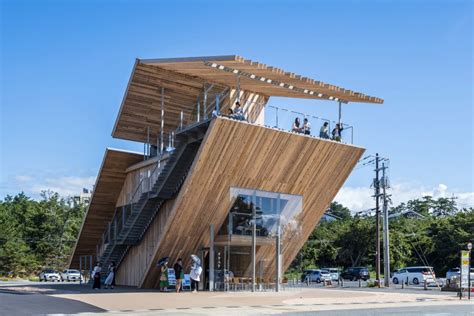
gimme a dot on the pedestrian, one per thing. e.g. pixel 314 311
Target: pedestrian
pixel 238 112
pixel 96 276
pixel 336 132
pixel 179 274
pixel 164 277
pixel 195 276
pixel 324 131
pixel 110 280
pixel 306 127
pixel 296 126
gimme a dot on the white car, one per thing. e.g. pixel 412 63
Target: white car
pixel 49 275
pixel 71 275
pixel 414 275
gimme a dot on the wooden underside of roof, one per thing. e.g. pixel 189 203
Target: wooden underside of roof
pixel 200 67
pixel 140 113
pixel 237 154
pixel 102 206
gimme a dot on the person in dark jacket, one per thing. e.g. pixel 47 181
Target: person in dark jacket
pixel 96 276
pixel 179 274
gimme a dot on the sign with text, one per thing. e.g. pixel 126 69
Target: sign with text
pixel 171 277
pixel 464 268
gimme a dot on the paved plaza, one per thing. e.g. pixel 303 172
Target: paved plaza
pixel 35 298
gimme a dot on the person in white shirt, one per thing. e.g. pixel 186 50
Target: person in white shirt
pixel 96 276
pixel 195 276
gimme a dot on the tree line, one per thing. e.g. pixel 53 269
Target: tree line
pixel 434 237
pixel 37 234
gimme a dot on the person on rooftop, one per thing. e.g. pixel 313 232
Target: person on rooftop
pixel 336 132
pixel 238 112
pixel 324 131
pixel 296 126
pixel 306 127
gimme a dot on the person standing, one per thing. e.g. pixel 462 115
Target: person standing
pixel 96 276
pixel 324 131
pixel 336 132
pixel 164 277
pixel 195 276
pixel 179 274
pixel 110 280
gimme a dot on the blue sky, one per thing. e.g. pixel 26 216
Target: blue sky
pixel 65 67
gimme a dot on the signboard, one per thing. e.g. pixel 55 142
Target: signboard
pixel 187 281
pixel 464 268
pixel 171 277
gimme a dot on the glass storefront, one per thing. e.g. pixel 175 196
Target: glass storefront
pixel 248 245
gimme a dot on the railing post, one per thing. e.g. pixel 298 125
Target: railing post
pixel 204 102
pixel 181 121
pixel 162 118
pixel 198 110
pixel 276 117
pixel 217 104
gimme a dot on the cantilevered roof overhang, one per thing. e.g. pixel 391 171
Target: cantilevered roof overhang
pixel 101 209
pixel 182 81
pixel 258 77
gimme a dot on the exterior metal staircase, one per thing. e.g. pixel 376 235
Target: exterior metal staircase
pixel 131 221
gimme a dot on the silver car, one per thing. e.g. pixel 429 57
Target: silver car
pixel 317 276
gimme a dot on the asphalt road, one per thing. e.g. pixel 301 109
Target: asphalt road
pixel 467 310
pixel 33 304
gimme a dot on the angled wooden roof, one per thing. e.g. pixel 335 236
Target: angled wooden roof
pixel 259 78
pixel 184 80
pixel 101 209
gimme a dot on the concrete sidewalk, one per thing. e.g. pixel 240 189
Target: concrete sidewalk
pixel 295 300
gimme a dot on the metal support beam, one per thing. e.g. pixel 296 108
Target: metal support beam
pixel 211 258
pixel 254 239
pixel 238 89
pixel 198 117
pixel 162 120
pixel 204 103
pixel 340 113
pixel 277 247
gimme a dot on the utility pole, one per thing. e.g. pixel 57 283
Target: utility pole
pixel 386 241
pixel 377 221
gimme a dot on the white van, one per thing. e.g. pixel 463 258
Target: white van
pixel 415 275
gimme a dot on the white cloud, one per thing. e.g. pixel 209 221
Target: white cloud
pixel 360 198
pixel 65 186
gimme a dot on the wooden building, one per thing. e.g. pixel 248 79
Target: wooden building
pixel 242 195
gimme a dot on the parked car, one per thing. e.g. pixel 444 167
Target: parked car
pixel 414 275
pixel 334 272
pixel 49 275
pixel 393 272
pixel 71 275
pixel 456 273
pixel 315 275
pixel 356 273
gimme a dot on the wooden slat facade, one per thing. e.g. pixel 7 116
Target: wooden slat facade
pixel 238 154
pixel 108 186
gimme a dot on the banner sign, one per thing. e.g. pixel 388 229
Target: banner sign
pixel 187 280
pixel 464 268
pixel 171 277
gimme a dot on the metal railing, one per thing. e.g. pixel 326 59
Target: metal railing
pixel 281 116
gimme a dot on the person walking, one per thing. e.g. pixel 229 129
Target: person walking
pixel 195 276
pixel 110 280
pixel 179 274
pixel 336 132
pixel 324 131
pixel 96 276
